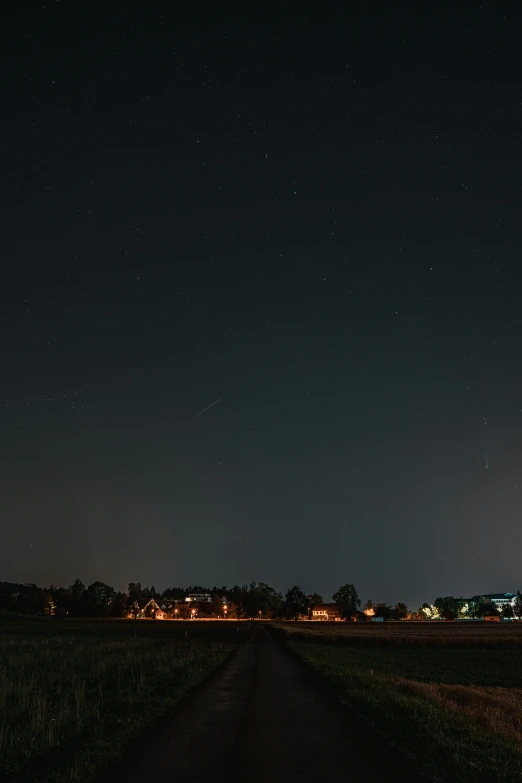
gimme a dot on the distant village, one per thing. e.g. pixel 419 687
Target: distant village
pixel 255 601
pixel 494 607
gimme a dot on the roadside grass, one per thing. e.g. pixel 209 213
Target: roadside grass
pixel 456 710
pixel 70 701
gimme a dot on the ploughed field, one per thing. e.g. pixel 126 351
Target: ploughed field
pixel 448 694
pixel 72 693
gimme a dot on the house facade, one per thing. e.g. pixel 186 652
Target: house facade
pixel 326 612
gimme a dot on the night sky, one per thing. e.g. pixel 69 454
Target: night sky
pixel 309 213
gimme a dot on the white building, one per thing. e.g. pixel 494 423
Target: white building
pixel 199 598
pixel 499 599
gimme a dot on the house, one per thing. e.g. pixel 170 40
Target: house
pixel 492 618
pixel 199 598
pixel 147 608
pixel 328 612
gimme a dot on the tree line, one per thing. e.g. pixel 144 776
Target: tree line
pixel 451 608
pixel 99 599
pixel 254 600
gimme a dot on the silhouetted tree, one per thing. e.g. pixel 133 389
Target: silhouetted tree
pixel 449 607
pixel 30 599
pixel 384 611
pixel 97 600
pixel 134 592
pixel 222 591
pixel 517 605
pixel 216 607
pixel 172 593
pixel 400 611
pixel 348 598
pixel 8 592
pixel 238 595
pixel 183 612
pixel 75 603
pixel 296 603
pixel 314 599
pixel 482 607
pixel 255 598
pixel 119 606
pixel 267 600
pixel 148 592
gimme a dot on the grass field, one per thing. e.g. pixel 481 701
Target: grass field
pixel 449 695
pixel 73 693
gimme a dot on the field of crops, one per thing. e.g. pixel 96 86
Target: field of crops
pixel 463 633
pixel 72 693
pixel 449 695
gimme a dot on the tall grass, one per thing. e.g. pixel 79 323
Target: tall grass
pixel 68 703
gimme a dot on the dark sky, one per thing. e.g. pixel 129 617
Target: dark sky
pixel 309 213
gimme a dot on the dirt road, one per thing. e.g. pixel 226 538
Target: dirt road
pixel 262 719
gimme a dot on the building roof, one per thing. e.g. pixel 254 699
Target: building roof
pixel 143 602
pixel 494 596
pixel 327 608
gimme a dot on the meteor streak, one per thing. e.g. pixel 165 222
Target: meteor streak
pixel 209 406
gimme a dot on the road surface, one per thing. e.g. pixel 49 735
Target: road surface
pixel 262 718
